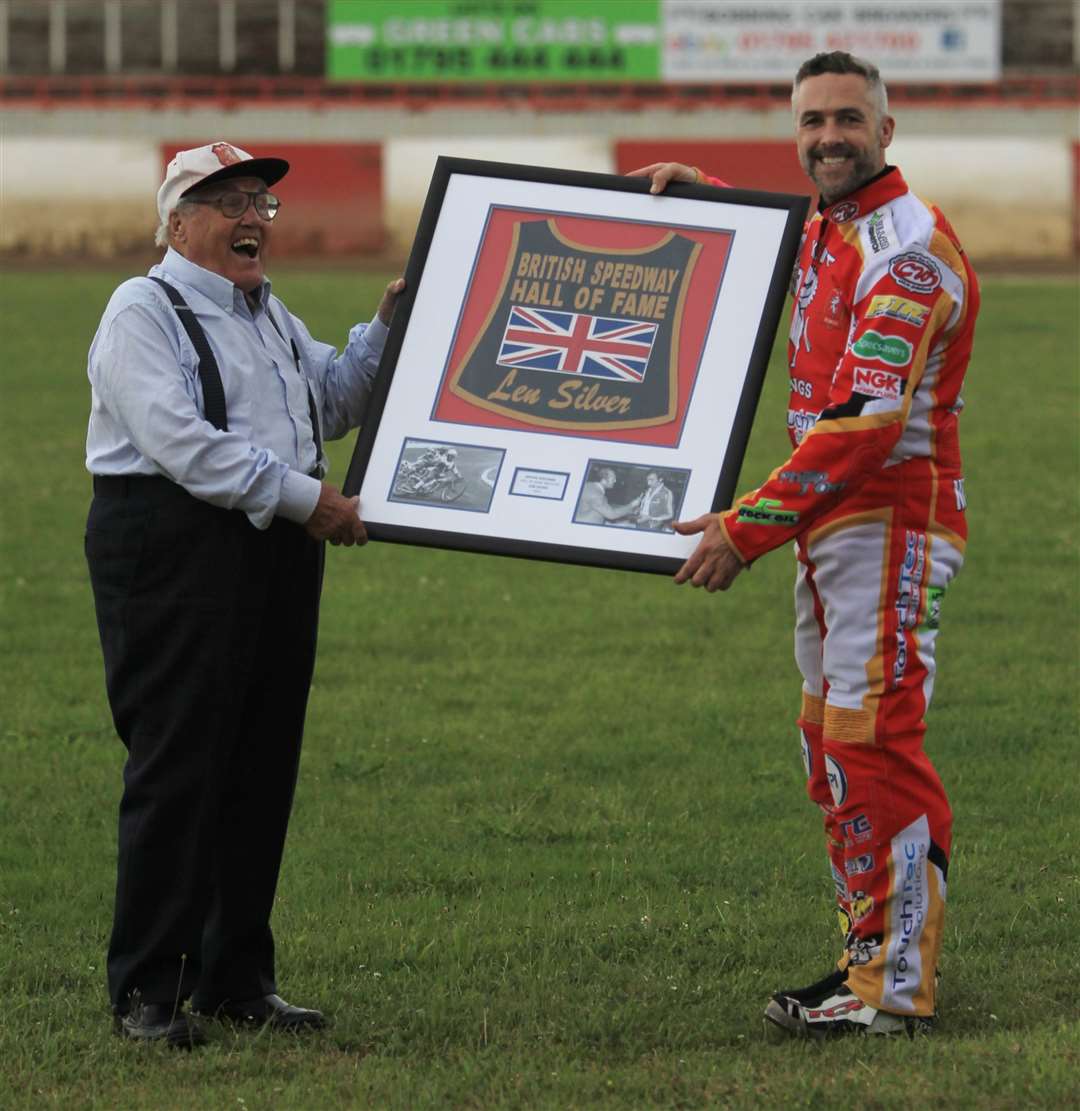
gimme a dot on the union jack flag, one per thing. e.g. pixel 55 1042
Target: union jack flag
pixel 574 343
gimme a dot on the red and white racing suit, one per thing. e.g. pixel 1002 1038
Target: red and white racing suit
pixel 873 496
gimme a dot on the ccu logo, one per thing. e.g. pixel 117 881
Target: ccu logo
pixel 843 213
pixel 915 272
pixel 807 758
pixel 834 773
pixel 878 383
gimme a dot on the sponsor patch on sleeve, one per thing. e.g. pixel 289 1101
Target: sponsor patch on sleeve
pixel 878 383
pixel 880 234
pixel 915 271
pixel 883 348
pixel 767 511
pixel 898 308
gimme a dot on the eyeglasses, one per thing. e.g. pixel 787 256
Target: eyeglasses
pixel 236 202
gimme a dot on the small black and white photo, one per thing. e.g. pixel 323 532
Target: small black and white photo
pixel 630 495
pixel 447 475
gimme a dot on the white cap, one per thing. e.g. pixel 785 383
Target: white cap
pixel 212 163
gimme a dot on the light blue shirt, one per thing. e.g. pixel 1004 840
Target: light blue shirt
pixel 146 415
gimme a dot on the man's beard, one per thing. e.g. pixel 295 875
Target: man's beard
pixel 862 170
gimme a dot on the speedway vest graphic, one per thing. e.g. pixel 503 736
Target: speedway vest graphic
pixel 579 337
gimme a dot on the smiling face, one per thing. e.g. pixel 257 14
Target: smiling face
pixel 840 137
pixel 234 248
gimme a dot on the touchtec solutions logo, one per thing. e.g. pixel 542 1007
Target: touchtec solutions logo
pixel 908 906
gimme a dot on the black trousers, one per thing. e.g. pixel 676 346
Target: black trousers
pixel 208 629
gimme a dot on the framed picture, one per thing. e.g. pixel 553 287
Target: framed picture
pixel 574 363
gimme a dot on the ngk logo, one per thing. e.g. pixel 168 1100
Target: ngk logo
pixel 878 383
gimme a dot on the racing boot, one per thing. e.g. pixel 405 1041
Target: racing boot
pixel 830 1008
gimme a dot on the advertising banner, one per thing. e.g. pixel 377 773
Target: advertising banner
pixel 677 41
pixel 766 40
pixel 494 40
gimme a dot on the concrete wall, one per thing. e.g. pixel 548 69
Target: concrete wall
pixel 76 196
pixel 82 181
pixel 1007 197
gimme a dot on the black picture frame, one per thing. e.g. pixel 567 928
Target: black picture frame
pixel 533 461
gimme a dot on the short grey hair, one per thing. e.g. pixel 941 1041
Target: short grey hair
pixel 839 61
pixel 161 236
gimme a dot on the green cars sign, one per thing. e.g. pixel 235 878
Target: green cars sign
pixel 494 40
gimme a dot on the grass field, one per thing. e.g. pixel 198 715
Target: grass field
pixel 550 846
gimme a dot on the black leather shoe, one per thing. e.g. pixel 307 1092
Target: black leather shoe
pixel 270 1010
pixel 160 1022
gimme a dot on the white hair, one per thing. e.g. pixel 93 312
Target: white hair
pixel 161 235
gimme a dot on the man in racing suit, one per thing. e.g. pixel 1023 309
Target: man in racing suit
pixel 873 498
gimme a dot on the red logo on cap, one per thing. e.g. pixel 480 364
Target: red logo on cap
pixel 226 155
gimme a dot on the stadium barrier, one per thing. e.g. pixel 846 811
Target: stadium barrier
pixel 51 91
pixel 1003 160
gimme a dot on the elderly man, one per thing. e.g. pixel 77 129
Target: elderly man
pixel 873 498
pixel 594 507
pixel 205 547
